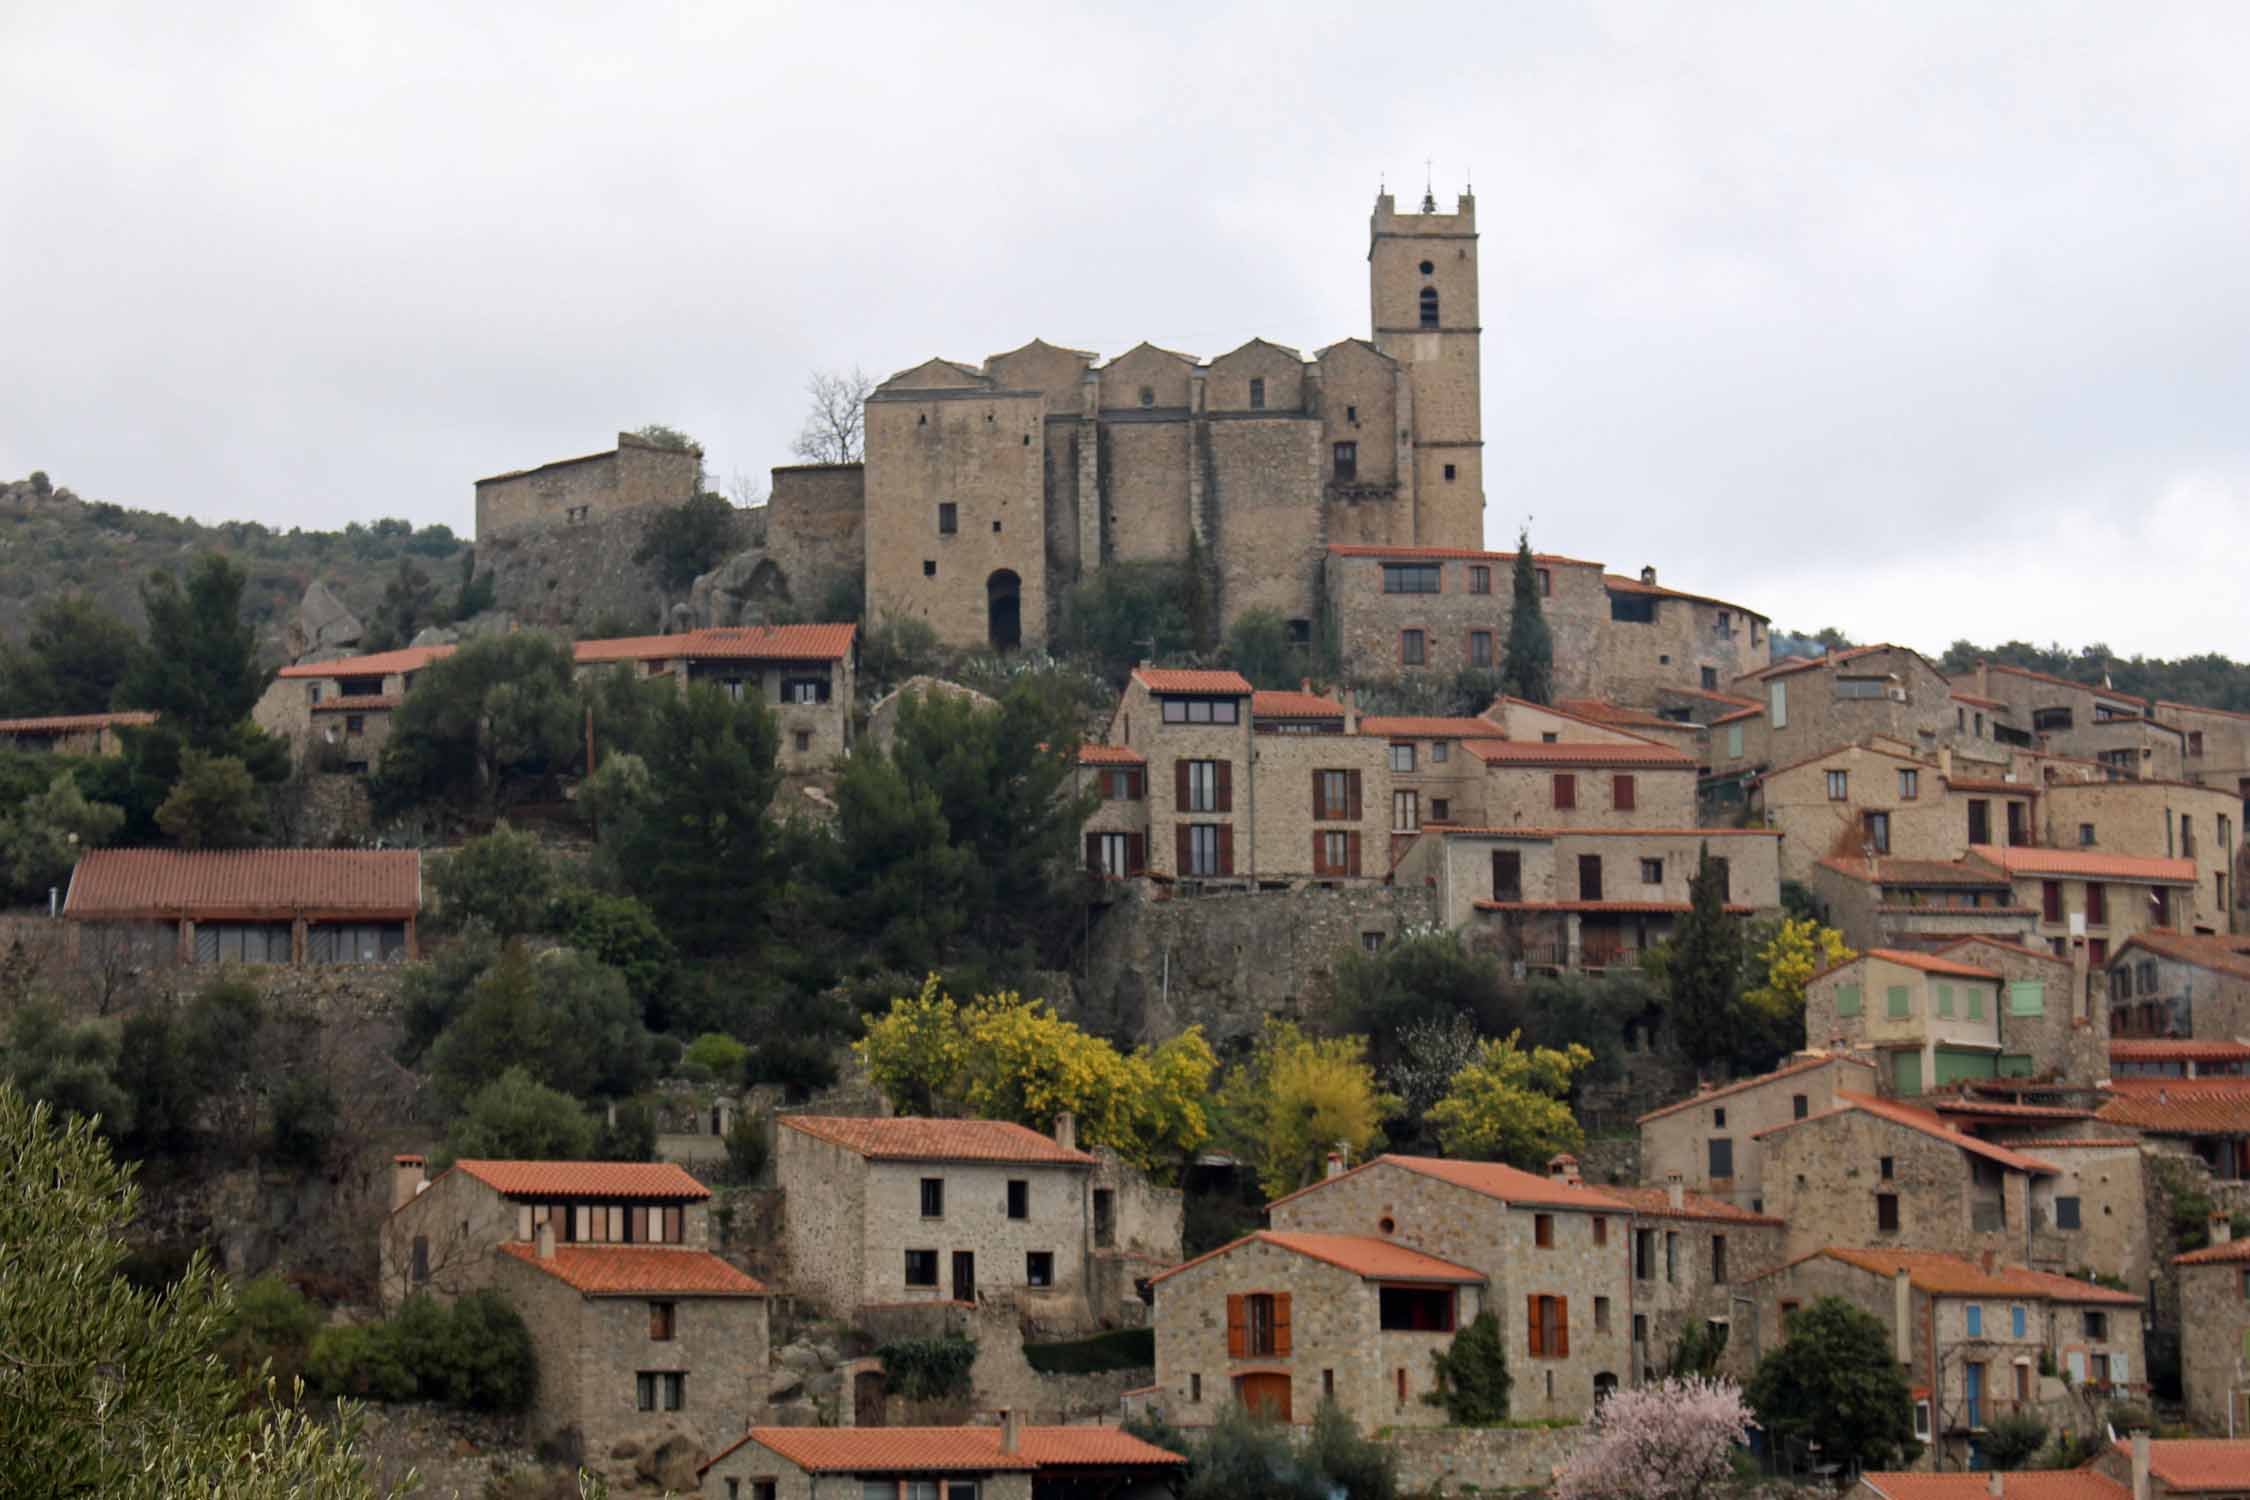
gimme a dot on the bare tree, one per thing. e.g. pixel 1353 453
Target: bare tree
pixel 835 430
pixel 744 489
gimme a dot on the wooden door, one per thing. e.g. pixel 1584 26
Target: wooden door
pixel 964 1276
pixel 1265 1395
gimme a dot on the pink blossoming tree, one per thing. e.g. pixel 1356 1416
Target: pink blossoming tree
pixel 1668 1441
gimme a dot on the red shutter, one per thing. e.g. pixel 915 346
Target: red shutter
pixel 1223 773
pixel 1562 1328
pixel 1623 793
pixel 1136 853
pixel 1281 1325
pixel 1180 785
pixel 1094 852
pixel 1351 851
pixel 1139 783
pixel 1180 849
pixel 1226 846
pixel 1236 1334
pixel 1531 1322
pixel 1566 790
pixel 1320 853
pixel 1355 813
pixel 1320 808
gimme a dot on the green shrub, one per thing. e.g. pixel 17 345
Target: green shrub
pixel 1117 1349
pixel 362 1363
pixel 748 1149
pixel 305 1117
pixel 719 1056
pixel 1473 1379
pixel 505 879
pixel 928 1369
pixel 272 1322
pixel 2011 1441
pixel 475 1354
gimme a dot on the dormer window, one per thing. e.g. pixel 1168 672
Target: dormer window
pixel 1202 711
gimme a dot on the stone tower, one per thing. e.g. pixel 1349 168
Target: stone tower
pixel 1422 293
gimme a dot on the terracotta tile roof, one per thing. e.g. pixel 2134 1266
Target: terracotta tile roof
pixel 2078 1143
pixel 2005 1110
pixel 381 664
pixel 919 1139
pixel 1294 706
pixel 639 1271
pixel 1364 1255
pixel 1490 1178
pixel 2178 1049
pixel 1787 1070
pixel 1599 711
pixel 1450 554
pixel 2212 952
pixel 584 1179
pixel 2027 1484
pixel 1656 1203
pixel 1834 751
pixel 1713 695
pixel 1923 1120
pixel 725 643
pixel 2180 1106
pixel 71 723
pixel 1928 963
pixel 1976 702
pixel 2013 950
pixel 1945 1275
pixel 1426 727
pixel 1620 833
pixel 364 703
pixel 1110 755
pixel 1630 908
pixel 2198 1463
pixel 2078 864
pixel 2003 787
pixel 1791 665
pixel 1919 872
pixel 1182 680
pixel 1618 583
pixel 1752 712
pixel 2112 694
pixel 1585 753
pixel 951 1450
pixel 2227 1253
pixel 244 883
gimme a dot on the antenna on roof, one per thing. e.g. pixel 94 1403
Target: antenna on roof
pixel 1429 190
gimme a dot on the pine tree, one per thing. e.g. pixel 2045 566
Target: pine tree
pixel 1527 670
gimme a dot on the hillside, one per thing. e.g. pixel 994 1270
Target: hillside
pixel 53 542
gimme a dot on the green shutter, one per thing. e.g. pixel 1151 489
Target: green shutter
pixel 1847 999
pixel 1734 742
pixel 1944 999
pixel 1953 1066
pixel 2027 997
pixel 1895 1003
pixel 1976 1002
pixel 1906 1073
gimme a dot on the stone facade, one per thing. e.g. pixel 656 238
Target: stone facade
pixel 1847 697
pixel 1202 781
pixel 1876 800
pixel 807 674
pixel 636 475
pixel 2215 1332
pixel 71 734
pixel 1919 903
pixel 1690 1254
pixel 1679 1138
pixel 2091 904
pixel 2156 820
pixel 2175 985
pixel 337 714
pixel 1933 1021
pixel 2062 717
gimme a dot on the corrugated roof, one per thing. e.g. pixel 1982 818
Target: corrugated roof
pixel 1656 1203
pixel 2178 1049
pixel 1584 753
pixel 381 664
pixel 126 883
pixel 639 1271
pixel 1946 1275
pixel 584 1179
pixel 1363 1255
pixel 918 1139
pixel 1926 1121
pixel 725 643
pixel 76 723
pixel 1427 727
pixel 2198 1463
pixel 1788 1070
pixel 952 1450
pixel 1183 680
pixel 2079 864
pixel 2024 1484
pixel 1290 705
pixel 1110 755
pixel 1490 1178
pixel 2180 1106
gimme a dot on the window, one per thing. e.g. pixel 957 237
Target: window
pixel 948 518
pixel 1601 1230
pixel 929 567
pixel 933 1197
pixel 1644 1256
pixel 1116 855
pixel 1019 1198
pixel 2085 835
pixel 1722 1156
pixel 1429 304
pixel 1601 1315
pixel 1406 812
pixel 2097 1324
pixel 1886 1167
pixel 1886 1213
pixel 1122 785
pixel 1875 831
pixel 1148 395
pixel 1860 687
pixel 1413 648
pixel 2026 997
pixel 1897 1004
pixel 1204 849
pixel 1975 1315
pixel 1909 784
pixel 1199 781
pixel 421 1257
pixel 1718 1260
pixel 355 723
pixel 1260 1327
pixel 1507 875
pixel 1546 579
pixel 1328 1385
pixel 1449 473
pixel 1566 791
pixel 1257 393
pixel 1847 999
pixel 2050 900
pixel 1548 1327
pixel 1439 750
pixel 1039 1268
pixel 1347 462
pixel 1480 648
pixel 1441 810
pixel 1719 1119
pixel 2097 905
pixel 1944 998
pixel 1652 872
pixel 660 1390
pixel 2066 1213
pixel 921 1268
pixel 1202 711
pixel 1734 742
pixel 1335 795
pixel 1839 786
pixel 1480 579
pixel 1543 1231
pixel 2018 1320
pixel 1621 793
pixel 1402 757
pixel 1672 1255
pixel 1777 704
pixel 1195 1388
pixel 1335 852
pixel 663 1321
pixel 1633 609
pixel 1922 1420
pixel 1710 679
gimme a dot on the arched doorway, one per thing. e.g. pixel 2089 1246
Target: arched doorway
pixel 1003 609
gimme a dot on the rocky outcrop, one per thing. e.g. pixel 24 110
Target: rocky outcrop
pixel 578 580
pixel 882 719
pixel 749 588
pixel 323 626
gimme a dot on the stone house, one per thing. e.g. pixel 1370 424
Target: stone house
pixel 1656 637
pixel 1810 705
pixel 1877 801
pixel 1674 726
pixel 2047 1016
pixel 1582 899
pixel 1933 1019
pixel 884 1211
pixel 1193 729
pixel 2215 744
pixel 805 673
pixel 635 475
pixel 1279 1321
pixel 2178 1057
pixel 2180 985
pixel 1541 1244
pixel 443 1235
pixel 259 906
pixel 1433 777
pixel 2154 819
pixel 2100 1193
pixel 1689 1253
pixel 1918 903
pixel 2093 900
pixel 637 1343
pixel 1117 831
pixel 2175 1468
pixel 1004 1462
pixel 2022 1484
pixel 1324 805
pixel 2072 718
pixel 1973 1333
pixel 2215 1330
pixel 1877 1172
pixel 2208 1118
pixel 1583 784
pixel 71 734
pixel 1438 611
pixel 1712 1139
pixel 338 713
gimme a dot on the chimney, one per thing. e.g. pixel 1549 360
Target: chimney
pixel 1011 1436
pixel 407 1179
pixel 546 1240
pixel 1066 1130
pixel 1335 1164
pixel 1902 1316
pixel 1945 769
pixel 1675 1191
pixel 2222 1228
pixel 1563 1167
pixel 2140 1463
pixel 1648 573
pixel 1994 1485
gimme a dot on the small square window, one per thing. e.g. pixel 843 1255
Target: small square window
pixel 1719 1118
pixel 929 567
pixel 663 1321
pixel 1438 752
pixel 996 528
pixel 1449 473
pixel 921 1268
pixel 1148 395
pixel 1441 810
pixel 1652 872
pixel 1543 1231
pixel 804 740
pixel 1480 580
pixel 1039 1268
pixel 948 518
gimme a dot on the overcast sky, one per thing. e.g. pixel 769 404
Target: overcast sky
pixel 1924 321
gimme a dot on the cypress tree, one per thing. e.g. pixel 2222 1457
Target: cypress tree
pixel 1528 668
pixel 1706 966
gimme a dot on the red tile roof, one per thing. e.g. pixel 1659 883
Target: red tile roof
pixel 1629 908
pixel 1450 554
pixel 2026 1484
pixel 1716 697
pixel 381 664
pixel 1491 1178
pixel 2205 951
pixel 584 1179
pixel 951 1450
pixel 2013 950
pixel 1110 755
pixel 2198 1463
pixel 1787 1070
pixel 2180 1106
pixel 1976 702
pixel 1928 963
pixel 1364 1255
pixel 1946 1275
pixel 725 643
pixel 1294 706
pixel 1791 665
pixel 1599 711
pixel 2080 865
pixel 1617 583
pixel 1656 1203
pixel 1998 1109
pixel 111 884
pixel 1427 727
pixel 1918 872
pixel 918 1139
pixel 1738 716
pixel 70 723
pixel 2004 787
pixel 1584 753
pixel 1622 833
pixel 363 703
pixel 1182 680
pixel 1923 1120
pixel 639 1271
pixel 1835 752
pixel 2178 1049
pixel 2225 1253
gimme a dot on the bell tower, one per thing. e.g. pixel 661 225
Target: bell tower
pixel 1422 292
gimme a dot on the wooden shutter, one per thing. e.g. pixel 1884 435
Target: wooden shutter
pixel 1566 789
pixel 1562 1328
pixel 639 1216
pixel 1354 784
pixel 1319 804
pixel 1319 853
pixel 1180 851
pixel 1351 851
pixel 1222 773
pixel 1531 1322
pixel 1094 852
pixel 1180 785
pixel 1136 853
pixel 1226 846
pixel 1237 1334
pixel 1623 793
pixel 1139 783
pixel 1281 1325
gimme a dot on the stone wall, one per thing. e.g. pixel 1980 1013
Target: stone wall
pixel 1475 1460
pixel 636 475
pixel 570 578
